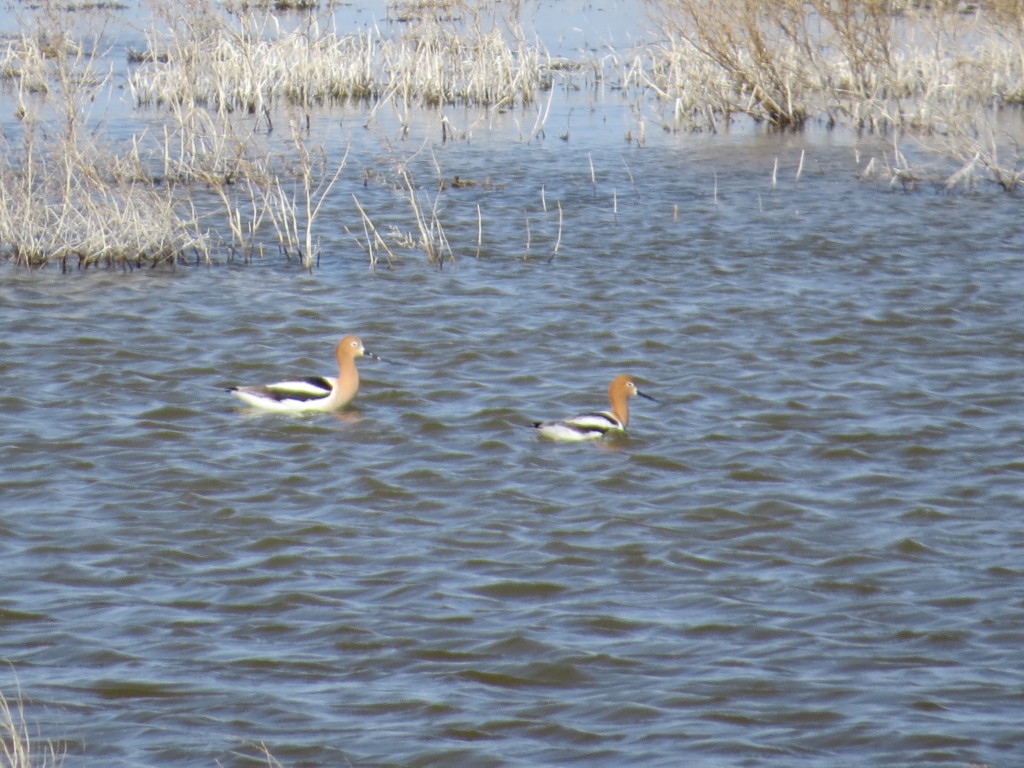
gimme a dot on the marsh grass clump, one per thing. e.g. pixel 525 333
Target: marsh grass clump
pixel 26 60
pixel 93 225
pixel 413 11
pixel 873 64
pixel 429 236
pixel 252 64
pixel 440 64
pixel 251 67
pixel 66 198
pixel 198 185
pixel 754 47
pixel 268 187
pixel 283 6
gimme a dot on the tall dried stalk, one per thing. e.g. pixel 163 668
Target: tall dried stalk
pixel 558 240
pixel 479 230
pixel 433 239
pixel 374 240
pixel 315 186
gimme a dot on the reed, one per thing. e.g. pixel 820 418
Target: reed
pixel 85 225
pixel 255 752
pixel 479 230
pixel 202 57
pixel 69 199
pixel 429 234
pixel 375 242
pixel 433 239
pixel 220 81
pixel 558 239
pixel 199 146
pixel 313 186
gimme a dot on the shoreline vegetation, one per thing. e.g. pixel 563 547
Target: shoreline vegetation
pixel 227 167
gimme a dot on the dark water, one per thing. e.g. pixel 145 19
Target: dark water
pixel 808 552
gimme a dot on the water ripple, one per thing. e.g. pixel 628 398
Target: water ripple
pixel 805 553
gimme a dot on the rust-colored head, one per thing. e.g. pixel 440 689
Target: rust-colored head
pixel 619 391
pixel 349 348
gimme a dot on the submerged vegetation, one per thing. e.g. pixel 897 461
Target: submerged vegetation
pixel 227 165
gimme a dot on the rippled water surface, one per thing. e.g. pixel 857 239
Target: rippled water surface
pixel 809 551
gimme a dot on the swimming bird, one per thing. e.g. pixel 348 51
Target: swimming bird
pixel 588 426
pixel 315 393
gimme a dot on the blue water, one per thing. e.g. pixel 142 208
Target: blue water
pixel 808 552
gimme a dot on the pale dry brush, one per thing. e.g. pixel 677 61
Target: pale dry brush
pixel 75 221
pixel 251 65
pixel 24 62
pixel 250 62
pixel 429 234
pixel 432 239
pixel 785 61
pixel 375 242
pixel 107 207
pixel 756 49
pixel 440 63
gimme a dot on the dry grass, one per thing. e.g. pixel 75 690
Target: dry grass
pixel 66 198
pixel 217 80
pixel 201 59
pixel 438 63
pixel 429 235
pixel 88 226
pixel 250 64
pixel 17 747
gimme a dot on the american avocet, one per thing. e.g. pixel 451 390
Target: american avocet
pixel 316 393
pixel 588 426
